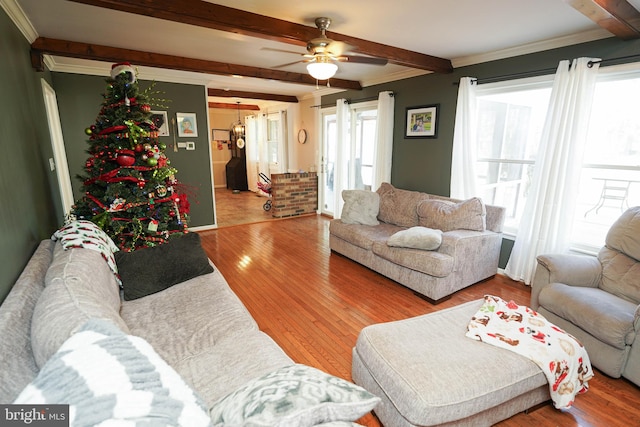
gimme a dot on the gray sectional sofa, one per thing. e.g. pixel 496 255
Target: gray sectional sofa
pixel 468 251
pixel 196 330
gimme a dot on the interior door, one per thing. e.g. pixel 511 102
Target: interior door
pixel 276 142
pixel 59 161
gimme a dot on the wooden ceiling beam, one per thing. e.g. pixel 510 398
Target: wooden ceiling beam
pixel 618 17
pixel 239 107
pixel 222 93
pixel 223 18
pixel 95 52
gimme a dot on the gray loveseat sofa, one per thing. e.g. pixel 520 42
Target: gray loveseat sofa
pixel 468 252
pixel 200 335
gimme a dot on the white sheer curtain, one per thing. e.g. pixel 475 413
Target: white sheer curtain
pixel 463 161
pixel 341 169
pixel 548 213
pixel 252 151
pixel 384 140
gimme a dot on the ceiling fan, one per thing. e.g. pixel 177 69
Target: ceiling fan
pixel 323 53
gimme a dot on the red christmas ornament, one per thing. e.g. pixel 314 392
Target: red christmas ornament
pixel 139 148
pixel 126 157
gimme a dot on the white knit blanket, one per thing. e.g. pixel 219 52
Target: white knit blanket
pixel 562 358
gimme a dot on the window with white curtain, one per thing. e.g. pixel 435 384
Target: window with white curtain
pixel 510 120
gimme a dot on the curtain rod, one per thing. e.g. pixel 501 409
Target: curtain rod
pixel 534 73
pixel 349 101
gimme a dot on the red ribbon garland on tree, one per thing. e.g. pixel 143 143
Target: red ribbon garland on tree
pixel 109 176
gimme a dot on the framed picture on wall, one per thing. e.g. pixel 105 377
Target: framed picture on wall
pixel 159 118
pixel 187 124
pixel 422 122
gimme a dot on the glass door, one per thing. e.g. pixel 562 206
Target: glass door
pixel 327 169
pixel 361 152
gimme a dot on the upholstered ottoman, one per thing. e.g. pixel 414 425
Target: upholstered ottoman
pixel 427 372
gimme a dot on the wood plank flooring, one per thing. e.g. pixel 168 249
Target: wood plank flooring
pixel 314 303
pixel 244 207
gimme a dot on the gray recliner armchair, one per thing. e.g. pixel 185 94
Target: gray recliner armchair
pixel 597 299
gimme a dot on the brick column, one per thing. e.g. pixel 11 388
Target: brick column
pixel 294 194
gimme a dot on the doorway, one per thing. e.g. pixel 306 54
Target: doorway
pixel 59 161
pixel 359 155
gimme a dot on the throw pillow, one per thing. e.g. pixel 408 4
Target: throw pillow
pixel 399 207
pixel 417 238
pixel 445 215
pixel 110 378
pixel 147 271
pixel 360 207
pixel 296 395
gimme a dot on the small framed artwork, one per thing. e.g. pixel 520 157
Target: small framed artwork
pixel 159 119
pixel 187 124
pixel 220 134
pixel 422 122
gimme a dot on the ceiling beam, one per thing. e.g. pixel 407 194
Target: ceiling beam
pixel 223 18
pixel 238 107
pixel 223 93
pixel 42 46
pixel 616 16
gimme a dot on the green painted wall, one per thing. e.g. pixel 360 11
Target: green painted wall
pixel 80 99
pixel 425 164
pixel 29 199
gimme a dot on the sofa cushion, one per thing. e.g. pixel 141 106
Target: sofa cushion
pixel 147 271
pixel 106 376
pixel 217 370
pixel 360 207
pixel 446 215
pixel 601 314
pixel 417 238
pixel 429 262
pixel 399 207
pixel 214 312
pixel 18 365
pixel 362 236
pixel 296 395
pixel 79 285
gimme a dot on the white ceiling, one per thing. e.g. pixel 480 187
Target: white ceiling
pixel 464 31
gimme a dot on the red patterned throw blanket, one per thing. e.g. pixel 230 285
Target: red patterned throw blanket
pixel 562 358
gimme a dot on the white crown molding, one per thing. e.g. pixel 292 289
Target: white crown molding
pixel 17 15
pixel 97 68
pixel 525 49
pixel 392 77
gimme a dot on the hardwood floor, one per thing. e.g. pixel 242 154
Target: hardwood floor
pixel 314 303
pixel 245 207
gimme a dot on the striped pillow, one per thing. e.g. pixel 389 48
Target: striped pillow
pixel 105 375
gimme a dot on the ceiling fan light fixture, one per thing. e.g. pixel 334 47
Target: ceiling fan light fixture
pixel 322 70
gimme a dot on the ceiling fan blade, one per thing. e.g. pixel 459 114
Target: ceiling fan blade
pixel 288 64
pixel 281 50
pixel 338 48
pixel 362 59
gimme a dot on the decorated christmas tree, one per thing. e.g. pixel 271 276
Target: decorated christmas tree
pixel 130 189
